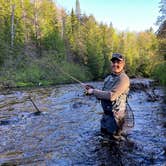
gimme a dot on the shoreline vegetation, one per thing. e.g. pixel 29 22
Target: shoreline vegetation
pixel 37 38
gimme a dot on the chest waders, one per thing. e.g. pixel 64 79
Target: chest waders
pixel 114 112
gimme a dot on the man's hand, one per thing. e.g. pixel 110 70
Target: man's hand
pixel 89 89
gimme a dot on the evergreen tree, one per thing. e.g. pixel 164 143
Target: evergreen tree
pixel 106 35
pixel 94 48
pixel 74 21
pixel 162 17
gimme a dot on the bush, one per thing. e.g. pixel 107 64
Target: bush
pixel 159 73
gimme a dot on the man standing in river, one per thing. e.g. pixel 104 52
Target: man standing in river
pixel 113 97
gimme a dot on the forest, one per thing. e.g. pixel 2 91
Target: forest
pixel 37 38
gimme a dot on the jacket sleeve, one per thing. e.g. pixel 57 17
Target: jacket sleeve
pixel 120 87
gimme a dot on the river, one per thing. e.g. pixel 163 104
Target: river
pixel 67 130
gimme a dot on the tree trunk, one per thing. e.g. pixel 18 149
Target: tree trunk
pixel 37 30
pixel 12 25
pixel 24 21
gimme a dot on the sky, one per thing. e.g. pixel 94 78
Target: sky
pixel 125 15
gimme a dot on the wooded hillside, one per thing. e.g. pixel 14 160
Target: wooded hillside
pixel 37 37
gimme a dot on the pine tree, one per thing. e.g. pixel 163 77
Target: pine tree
pixel 162 17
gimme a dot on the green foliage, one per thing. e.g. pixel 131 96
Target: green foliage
pixel 159 73
pixel 95 57
pixel 45 36
pixel 79 72
pixel 46 71
pixel 32 74
pixel 95 62
pixel 53 43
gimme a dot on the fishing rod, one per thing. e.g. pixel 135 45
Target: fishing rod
pixel 129 110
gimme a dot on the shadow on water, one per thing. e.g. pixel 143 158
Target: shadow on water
pixel 66 131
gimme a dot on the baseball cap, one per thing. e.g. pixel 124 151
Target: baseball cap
pixel 117 56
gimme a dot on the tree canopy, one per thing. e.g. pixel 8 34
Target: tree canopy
pixel 35 35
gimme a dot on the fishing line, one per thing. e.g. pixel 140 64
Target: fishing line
pixel 67 74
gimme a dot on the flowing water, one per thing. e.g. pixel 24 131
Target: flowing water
pixel 67 131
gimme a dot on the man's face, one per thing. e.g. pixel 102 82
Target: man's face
pixel 117 65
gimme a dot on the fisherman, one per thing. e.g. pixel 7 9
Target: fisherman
pixel 113 97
